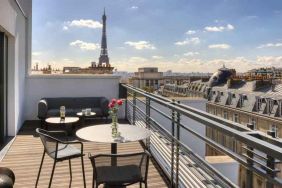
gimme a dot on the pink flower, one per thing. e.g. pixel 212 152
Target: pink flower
pixel 114 101
pixel 111 105
pixel 119 102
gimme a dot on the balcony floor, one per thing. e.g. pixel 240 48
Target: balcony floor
pixel 25 154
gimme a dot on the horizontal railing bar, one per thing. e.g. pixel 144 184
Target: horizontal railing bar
pixel 162 113
pixel 212 143
pixel 216 146
pixel 190 152
pixel 261 165
pixel 166 153
pixel 253 152
pixel 241 136
pixel 270 179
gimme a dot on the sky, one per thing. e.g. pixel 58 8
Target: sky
pixel 177 35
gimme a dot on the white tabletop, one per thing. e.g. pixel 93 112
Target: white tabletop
pixel 91 114
pixel 103 133
pixel 57 120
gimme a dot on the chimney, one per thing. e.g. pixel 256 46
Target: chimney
pixel 250 126
pixel 271 133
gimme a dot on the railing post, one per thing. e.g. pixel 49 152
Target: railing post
pixel 177 147
pixel 125 107
pixel 250 154
pixel 148 116
pixel 270 162
pixel 134 108
pixel 172 147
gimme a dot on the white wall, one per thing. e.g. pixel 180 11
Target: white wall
pixel 38 87
pixel 17 26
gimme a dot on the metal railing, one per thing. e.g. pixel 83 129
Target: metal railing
pixel 180 163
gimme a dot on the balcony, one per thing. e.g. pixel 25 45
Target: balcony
pixel 176 147
pixel 184 147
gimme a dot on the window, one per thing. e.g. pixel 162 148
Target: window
pixel 156 82
pixel 236 118
pixel 259 101
pixel 225 115
pixel 215 111
pixel 147 83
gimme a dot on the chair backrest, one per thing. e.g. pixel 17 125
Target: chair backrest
pixel 50 143
pixel 138 159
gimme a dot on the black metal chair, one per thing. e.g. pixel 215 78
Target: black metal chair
pixel 59 150
pixel 128 169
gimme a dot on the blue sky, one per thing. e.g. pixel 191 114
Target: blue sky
pixel 177 35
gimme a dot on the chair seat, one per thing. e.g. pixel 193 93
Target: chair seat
pixel 113 175
pixel 66 151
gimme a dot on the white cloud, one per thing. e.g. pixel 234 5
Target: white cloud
pixel 36 53
pixel 85 45
pixel 82 23
pixel 219 46
pixel 190 32
pixel 137 59
pixel 140 45
pixel 194 40
pixel 270 45
pixel 65 28
pixel 157 57
pixel 134 7
pixel 228 27
pixel 191 53
pixel 270 60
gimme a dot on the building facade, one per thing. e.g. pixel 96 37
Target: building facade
pixel 147 77
pixel 258 108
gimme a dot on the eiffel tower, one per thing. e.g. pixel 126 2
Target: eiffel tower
pixel 104 59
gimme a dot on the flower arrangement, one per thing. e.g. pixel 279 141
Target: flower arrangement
pixel 113 110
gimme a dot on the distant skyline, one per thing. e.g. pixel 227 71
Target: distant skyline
pixel 182 36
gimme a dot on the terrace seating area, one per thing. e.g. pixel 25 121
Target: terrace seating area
pixel 25 154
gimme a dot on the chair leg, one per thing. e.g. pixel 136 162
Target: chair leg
pixel 140 184
pixel 40 169
pixel 70 172
pixel 83 172
pixel 51 178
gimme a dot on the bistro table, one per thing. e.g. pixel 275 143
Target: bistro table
pixel 83 116
pixel 103 133
pixel 65 122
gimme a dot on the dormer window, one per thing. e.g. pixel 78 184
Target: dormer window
pixel 241 101
pixel 269 103
pixel 258 104
pixel 236 118
pixel 229 99
pixel 280 108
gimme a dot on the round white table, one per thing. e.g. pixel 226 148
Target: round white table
pixel 65 122
pixel 58 120
pixel 83 116
pixel 103 133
